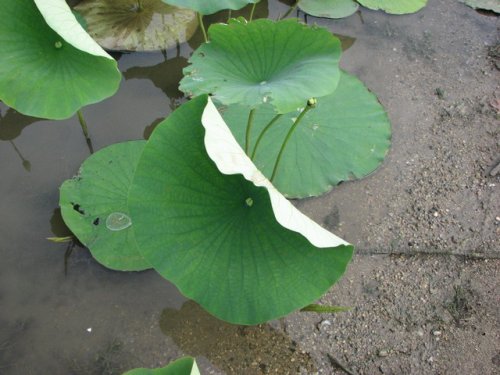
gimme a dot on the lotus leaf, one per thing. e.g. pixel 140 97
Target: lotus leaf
pixel 216 227
pixel 94 206
pixel 329 8
pixel 122 25
pixel 284 63
pixel 493 5
pixel 394 6
pixel 49 66
pixel 183 366
pixel 205 7
pixel 346 136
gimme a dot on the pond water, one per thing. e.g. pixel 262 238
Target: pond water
pixel 60 311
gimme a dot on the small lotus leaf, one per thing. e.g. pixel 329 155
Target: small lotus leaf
pixel 49 66
pixel 493 5
pixel 329 8
pixel 206 7
pixel 216 228
pixel 183 366
pixel 122 25
pixel 394 6
pixel 94 206
pixel 346 136
pixel 284 63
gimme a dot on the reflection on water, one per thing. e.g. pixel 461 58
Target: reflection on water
pixel 232 348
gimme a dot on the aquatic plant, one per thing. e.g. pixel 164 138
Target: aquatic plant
pixel 205 218
pixel 192 204
pixel 303 147
pixel 49 65
pixel 182 366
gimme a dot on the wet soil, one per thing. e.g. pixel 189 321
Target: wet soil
pixel 423 287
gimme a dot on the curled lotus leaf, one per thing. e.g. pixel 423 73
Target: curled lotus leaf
pixel 394 6
pixel 205 7
pixel 49 66
pixel 207 220
pixel 284 63
pixel 493 5
pixel 124 26
pixel 94 206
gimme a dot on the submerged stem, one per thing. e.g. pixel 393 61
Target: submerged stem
pixel 261 135
pixel 249 128
pixel 200 21
pixel 311 103
pixel 140 7
pixel 253 11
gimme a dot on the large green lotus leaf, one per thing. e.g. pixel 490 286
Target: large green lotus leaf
pixel 284 63
pixel 183 366
pixel 216 227
pixel 345 137
pixel 94 206
pixel 329 8
pixel 493 5
pixel 394 6
pixel 205 7
pixel 49 66
pixel 122 25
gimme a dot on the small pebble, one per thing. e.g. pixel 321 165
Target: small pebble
pixel 383 353
pixel 436 333
pixel 89 330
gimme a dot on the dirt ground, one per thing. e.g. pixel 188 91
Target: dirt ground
pixel 424 286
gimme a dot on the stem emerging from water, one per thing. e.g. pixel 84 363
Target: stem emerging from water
pixel 140 7
pixel 292 8
pixel 311 103
pixel 252 12
pixel 200 21
pixel 249 128
pixel 261 135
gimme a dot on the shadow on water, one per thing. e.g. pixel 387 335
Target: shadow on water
pixel 233 348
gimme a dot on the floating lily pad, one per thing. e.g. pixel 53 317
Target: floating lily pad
pixel 183 366
pixel 123 25
pixel 394 6
pixel 493 5
pixel 345 137
pixel 218 230
pixel 284 63
pixel 206 7
pixel 329 8
pixel 94 206
pixel 49 66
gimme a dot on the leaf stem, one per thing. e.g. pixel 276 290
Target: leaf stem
pixel 83 124
pixel 249 128
pixel 263 132
pixel 253 11
pixel 200 21
pixel 229 14
pixel 292 8
pixel 311 103
pixel 140 7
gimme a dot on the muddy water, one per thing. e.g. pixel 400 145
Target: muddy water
pixel 60 311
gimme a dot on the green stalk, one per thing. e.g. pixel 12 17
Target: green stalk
pixel 292 8
pixel 249 128
pixel 139 6
pixel 261 135
pixel 311 103
pixel 253 11
pixel 83 124
pixel 200 21
pixel 229 14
